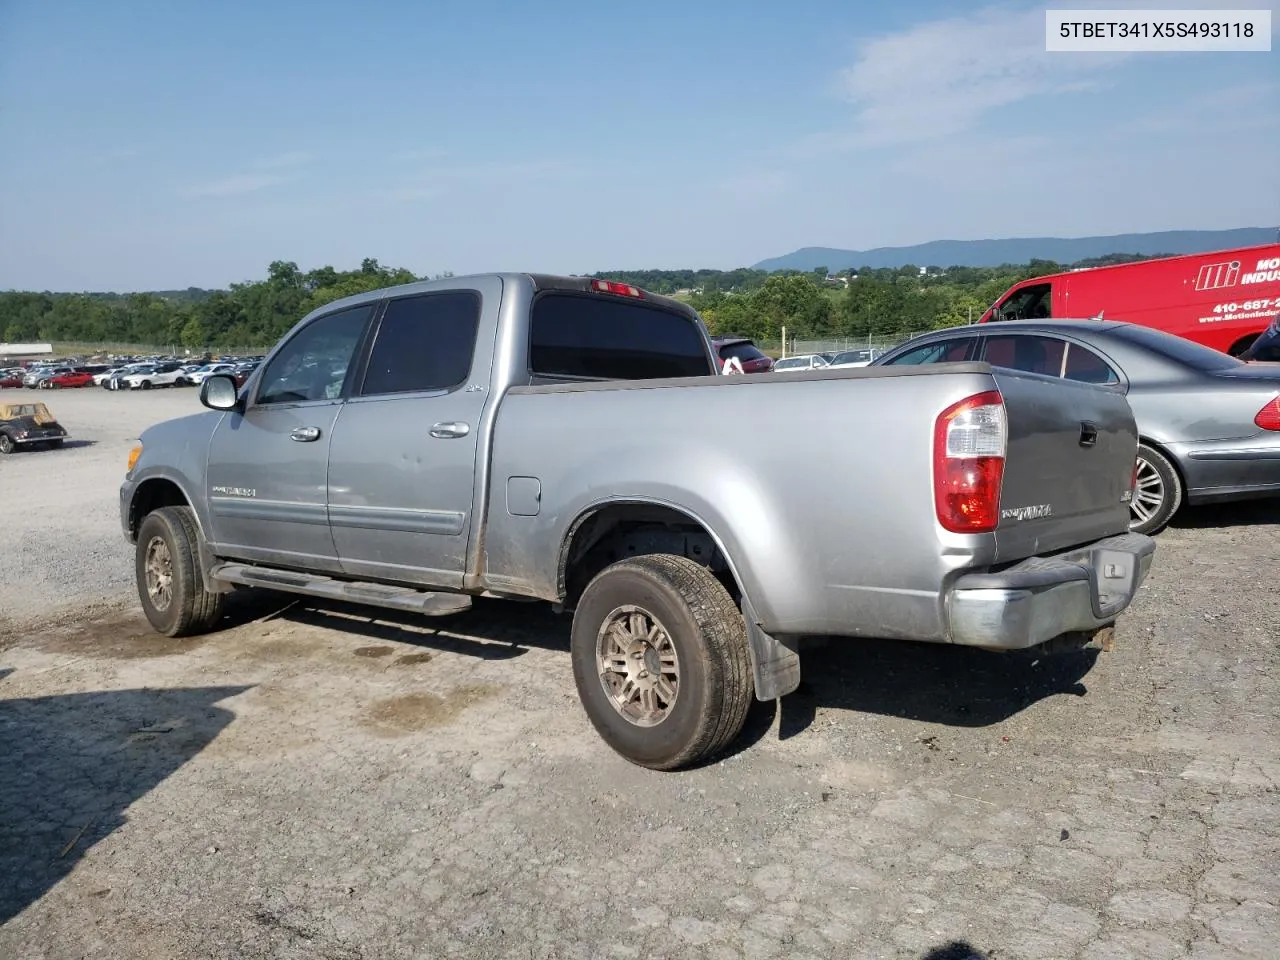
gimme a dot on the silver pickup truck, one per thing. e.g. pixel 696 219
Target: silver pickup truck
pixel 570 440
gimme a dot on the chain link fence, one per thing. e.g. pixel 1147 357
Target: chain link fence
pixel 794 347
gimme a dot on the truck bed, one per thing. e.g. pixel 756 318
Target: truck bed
pixel 817 485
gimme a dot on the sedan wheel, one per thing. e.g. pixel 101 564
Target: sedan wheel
pixel 1157 495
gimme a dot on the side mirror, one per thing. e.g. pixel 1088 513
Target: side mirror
pixel 218 392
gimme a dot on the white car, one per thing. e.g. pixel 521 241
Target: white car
pixel 808 361
pixel 153 375
pixel 855 358
pixel 199 376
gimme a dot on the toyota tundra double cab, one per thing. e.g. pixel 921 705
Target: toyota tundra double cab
pixel 562 439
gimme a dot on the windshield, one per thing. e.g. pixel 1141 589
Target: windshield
pixel 853 356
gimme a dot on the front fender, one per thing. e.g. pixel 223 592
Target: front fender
pixel 177 452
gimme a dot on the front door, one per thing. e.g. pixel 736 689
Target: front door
pixel 268 465
pixel 403 457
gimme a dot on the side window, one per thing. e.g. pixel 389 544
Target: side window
pixel 1086 366
pixel 312 365
pixel 943 351
pixel 424 343
pixel 608 338
pixel 1028 352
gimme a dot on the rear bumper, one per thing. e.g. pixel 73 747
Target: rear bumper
pixel 1043 598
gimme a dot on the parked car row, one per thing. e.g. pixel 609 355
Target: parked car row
pixel 127 373
pixel 741 355
pixel 146 376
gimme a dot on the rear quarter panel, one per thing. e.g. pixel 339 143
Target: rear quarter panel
pixel 818 486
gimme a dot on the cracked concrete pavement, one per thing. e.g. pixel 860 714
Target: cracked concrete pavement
pixel 333 782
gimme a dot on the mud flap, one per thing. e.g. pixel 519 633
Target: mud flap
pixel 775 661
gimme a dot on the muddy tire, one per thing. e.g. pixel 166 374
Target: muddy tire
pixel 167 569
pixel 1158 494
pixel 661 662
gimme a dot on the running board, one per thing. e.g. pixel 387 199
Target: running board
pixel 351 591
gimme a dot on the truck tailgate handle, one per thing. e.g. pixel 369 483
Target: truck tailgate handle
pixel 305 434
pixel 1088 433
pixel 450 430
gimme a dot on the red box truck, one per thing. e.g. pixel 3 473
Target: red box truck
pixel 1222 299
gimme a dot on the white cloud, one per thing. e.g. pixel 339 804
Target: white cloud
pixel 235 186
pixel 940 78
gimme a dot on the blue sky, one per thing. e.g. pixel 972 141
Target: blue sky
pixel 148 145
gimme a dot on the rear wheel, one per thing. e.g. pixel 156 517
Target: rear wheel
pixel 1158 493
pixel 146 384
pixel 167 569
pixel 661 662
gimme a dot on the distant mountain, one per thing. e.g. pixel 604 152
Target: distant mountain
pixel 993 253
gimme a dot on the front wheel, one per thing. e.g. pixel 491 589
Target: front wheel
pixel 167 569
pixel 1157 494
pixel 660 660
pixel 6 443
pixel 146 384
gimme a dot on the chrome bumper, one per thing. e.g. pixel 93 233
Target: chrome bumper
pixel 1042 598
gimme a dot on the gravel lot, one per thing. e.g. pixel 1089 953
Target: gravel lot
pixel 325 782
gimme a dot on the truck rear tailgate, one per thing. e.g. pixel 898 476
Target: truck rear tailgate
pixel 1069 466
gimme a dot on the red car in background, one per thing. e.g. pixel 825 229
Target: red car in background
pixel 742 350
pixel 79 378
pixel 10 379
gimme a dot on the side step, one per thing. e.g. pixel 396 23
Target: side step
pixel 351 591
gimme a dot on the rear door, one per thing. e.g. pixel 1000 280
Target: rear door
pixel 402 463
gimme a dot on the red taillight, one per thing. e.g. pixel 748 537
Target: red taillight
pixel 1268 417
pixel 969 440
pixel 612 286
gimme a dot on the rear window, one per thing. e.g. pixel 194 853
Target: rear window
pixel 742 351
pixel 1186 352
pixel 606 338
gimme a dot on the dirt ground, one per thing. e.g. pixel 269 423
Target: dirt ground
pixel 329 782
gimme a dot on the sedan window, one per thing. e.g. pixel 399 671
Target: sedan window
pixel 940 351
pixel 1029 353
pixel 1087 367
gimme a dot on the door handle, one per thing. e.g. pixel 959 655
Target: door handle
pixel 305 434
pixel 1088 433
pixel 450 430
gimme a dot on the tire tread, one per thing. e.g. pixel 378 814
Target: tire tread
pixel 723 631
pixel 198 609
